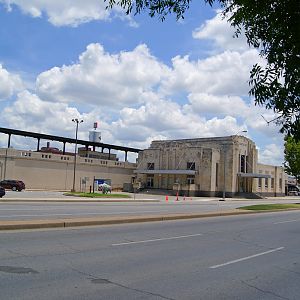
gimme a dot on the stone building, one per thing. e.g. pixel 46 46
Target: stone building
pixel 221 166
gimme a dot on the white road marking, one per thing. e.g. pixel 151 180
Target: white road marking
pixel 156 240
pixel 297 220
pixel 245 258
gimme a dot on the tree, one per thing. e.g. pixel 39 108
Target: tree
pixel 271 26
pixel 292 157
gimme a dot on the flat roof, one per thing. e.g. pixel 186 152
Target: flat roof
pixel 175 172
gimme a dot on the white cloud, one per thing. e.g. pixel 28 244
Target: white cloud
pixel 221 33
pixel 223 74
pixel 207 103
pixel 100 78
pixel 168 120
pixel 31 113
pixel 67 12
pixel 9 83
pixel 272 154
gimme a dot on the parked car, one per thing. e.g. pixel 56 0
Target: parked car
pixel 2 191
pixel 293 190
pixel 14 185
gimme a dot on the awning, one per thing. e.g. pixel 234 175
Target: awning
pixel 170 172
pixel 253 175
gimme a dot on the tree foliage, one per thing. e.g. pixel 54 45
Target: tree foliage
pixel 271 26
pixel 292 157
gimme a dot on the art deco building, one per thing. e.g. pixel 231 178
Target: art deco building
pixel 221 166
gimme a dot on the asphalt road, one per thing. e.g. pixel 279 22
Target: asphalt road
pixel 11 211
pixel 240 257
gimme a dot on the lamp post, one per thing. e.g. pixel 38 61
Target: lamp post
pixel 224 167
pixel 75 154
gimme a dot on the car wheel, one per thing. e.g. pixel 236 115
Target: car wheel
pixel 14 188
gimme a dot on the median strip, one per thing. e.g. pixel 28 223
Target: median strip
pixel 106 220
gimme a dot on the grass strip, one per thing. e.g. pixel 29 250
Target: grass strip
pixel 270 206
pixel 96 195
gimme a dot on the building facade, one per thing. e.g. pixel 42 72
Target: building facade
pixel 50 171
pixel 221 166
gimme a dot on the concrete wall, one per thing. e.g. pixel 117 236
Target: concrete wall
pixel 274 186
pixel 54 171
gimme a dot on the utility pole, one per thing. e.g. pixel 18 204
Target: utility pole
pixel 75 154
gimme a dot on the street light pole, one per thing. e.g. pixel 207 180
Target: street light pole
pixel 75 154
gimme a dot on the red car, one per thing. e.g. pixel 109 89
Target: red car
pixel 14 185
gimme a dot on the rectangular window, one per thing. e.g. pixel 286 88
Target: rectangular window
pixel 150 166
pixel 272 183
pixel 280 183
pixel 190 166
pixel 259 182
pixel 266 183
pixel 242 166
pixel 217 174
pixel 190 179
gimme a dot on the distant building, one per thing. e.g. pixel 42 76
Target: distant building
pixel 208 167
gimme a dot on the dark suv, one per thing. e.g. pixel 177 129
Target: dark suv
pixel 2 191
pixel 15 185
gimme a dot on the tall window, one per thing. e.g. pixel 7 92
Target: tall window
pixel 190 165
pixel 150 181
pixel 266 183
pixel 242 166
pixel 217 174
pixel 259 182
pixel 150 166
pixel 272 183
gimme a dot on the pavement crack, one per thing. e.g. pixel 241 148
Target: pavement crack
pixel 288 270
pixel 97 280
pixel 263 291
pixel 137 290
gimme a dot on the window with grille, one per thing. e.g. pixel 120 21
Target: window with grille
pixel 190 166
pixel 150 166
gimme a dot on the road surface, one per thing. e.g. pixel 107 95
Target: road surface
pixel 238 257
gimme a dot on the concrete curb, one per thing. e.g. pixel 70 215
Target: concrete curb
pixel 75 222
pixel 88 200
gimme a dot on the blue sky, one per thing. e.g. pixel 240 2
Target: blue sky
pixel 140 78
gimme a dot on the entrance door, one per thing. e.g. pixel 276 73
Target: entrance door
pixel 245 185
pixel 150 181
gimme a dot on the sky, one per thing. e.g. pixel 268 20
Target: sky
pixel 141 79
